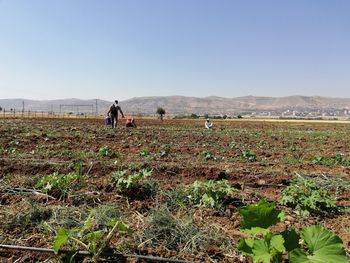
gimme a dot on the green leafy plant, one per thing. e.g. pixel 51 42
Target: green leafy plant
pixel 321 246
pixel 206 156
pixel 92 236
pixel 144 152
pixel 209 194
pixel 337 159
pixel 307 197
pixel 61 184
pixel 138 179
pixel 104 151
pixel 248 155
pixel 318 160
pixel 262 214
pixel 268 249
pixel 165 150
pixel 264 246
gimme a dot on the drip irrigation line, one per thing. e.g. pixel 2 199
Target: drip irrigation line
pixel 87 253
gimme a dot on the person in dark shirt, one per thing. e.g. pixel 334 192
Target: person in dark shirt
pixel 113 113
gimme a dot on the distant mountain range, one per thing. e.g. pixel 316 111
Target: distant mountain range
pixel 178 105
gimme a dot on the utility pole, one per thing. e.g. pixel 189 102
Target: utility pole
pixel 22 106
pixel 96 107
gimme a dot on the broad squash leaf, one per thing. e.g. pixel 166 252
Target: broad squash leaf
pixel 120 226
pixel 299 256
pixel 61 239
pixel 277 242
pixel 256 231
pixel 323 245
pixel 245 245
pixel 291 239
pixel 123 227
pixel 262 214
pixel 261 252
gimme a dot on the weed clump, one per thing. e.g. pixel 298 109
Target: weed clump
pixel 28 218
pixel 163 229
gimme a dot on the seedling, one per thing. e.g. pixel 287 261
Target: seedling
pixel 90 237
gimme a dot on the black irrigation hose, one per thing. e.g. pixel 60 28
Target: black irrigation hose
pixel 87 253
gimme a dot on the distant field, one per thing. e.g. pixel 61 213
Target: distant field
pixel 259 158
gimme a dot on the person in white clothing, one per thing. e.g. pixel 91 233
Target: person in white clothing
pixel 208 124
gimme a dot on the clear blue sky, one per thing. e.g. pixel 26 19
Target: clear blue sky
pixel 122 49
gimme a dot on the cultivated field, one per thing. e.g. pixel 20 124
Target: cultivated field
pixel 171 189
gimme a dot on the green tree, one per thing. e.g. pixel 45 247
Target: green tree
pixel 161 112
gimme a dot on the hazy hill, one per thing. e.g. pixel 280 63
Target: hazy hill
pixel 219 105
pixel 182 105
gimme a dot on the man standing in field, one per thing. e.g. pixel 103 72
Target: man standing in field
pixel 113 113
